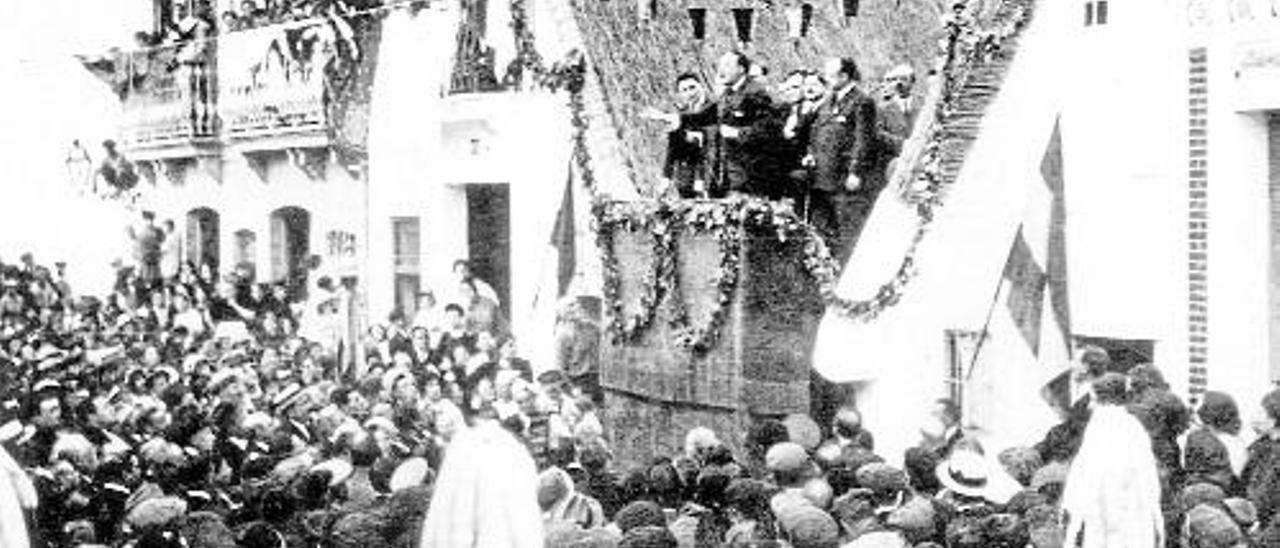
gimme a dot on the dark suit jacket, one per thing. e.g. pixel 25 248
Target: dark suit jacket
pixel 842 141
pixel 749 108
pixel 895 123
pixel 689 160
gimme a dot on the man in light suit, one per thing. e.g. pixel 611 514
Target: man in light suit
pixel 897 109
pixel 847 171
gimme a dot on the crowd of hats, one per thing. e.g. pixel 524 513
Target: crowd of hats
pixel 137 434
pixel 136 430
pixel 800 485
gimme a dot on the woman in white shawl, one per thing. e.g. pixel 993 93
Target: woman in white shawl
pixel 1112 494
pixel 486 494
pixel 16 495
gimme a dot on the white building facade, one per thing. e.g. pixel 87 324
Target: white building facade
pixel 251 159
pixel 1173 165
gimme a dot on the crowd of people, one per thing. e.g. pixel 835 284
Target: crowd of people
pixel 188 411
pixel 219 411
pixel 823 139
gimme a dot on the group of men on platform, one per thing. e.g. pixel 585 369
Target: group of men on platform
pixel 823 141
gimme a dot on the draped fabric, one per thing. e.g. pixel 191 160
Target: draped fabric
pixel 1112 494
pixel 486 494
pixel 16 493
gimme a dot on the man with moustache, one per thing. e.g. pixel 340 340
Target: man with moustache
pixel 847 175
pixel 747 127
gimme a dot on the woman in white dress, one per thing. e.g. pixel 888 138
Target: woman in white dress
pixel 1112 494
pixel 486 494
pixel 17 494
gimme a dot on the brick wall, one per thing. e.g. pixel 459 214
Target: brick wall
pixel 1198 222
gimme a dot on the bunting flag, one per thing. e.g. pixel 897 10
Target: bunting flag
pixel 1025 281
pixel 1036 272
pixel 849 7
pixel 742 20
pixel 1025 344
pixel 563 239
pixel 698 18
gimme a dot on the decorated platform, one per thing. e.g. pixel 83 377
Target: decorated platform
pixel 712 309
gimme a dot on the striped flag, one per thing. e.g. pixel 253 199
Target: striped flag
pixel 1036 271
pixel 563 238
pixel 1026 341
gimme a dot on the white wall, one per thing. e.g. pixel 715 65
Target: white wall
pixel 245 200
pixel 1125 158
pixel 1239 252
pixel 404 153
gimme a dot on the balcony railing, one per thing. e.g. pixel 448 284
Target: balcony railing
pixel 170 101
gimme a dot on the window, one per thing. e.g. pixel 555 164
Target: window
pixel 246 247
pixel 405 250
pixel 1095 13
pixel 202 237
pixel 290 247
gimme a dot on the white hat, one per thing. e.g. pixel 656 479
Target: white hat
pixel 899 71
pixel 339 470
pixel 46 384
pixel 969 474
pixel 410 473
pixel 221 378
pixel 10 430
pixel 380 422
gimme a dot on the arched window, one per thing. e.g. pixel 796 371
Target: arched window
pixel 202 236
pixel 246 248
pixel 290 246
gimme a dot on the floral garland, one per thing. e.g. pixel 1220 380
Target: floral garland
pixel 626 327
pixel 569 74
pixel 964 50
pixel 728 237
pixel 727 221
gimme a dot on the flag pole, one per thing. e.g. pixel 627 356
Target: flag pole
pixel 986 324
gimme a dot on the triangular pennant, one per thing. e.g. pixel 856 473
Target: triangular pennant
pixel 698 18
pixel 1025 295
pixel 742 20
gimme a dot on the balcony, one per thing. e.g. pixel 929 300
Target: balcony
pixel 169 105
pixel 273 85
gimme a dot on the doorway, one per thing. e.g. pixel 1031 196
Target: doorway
pixel 489 237
pixel 290 247
pixel 202 237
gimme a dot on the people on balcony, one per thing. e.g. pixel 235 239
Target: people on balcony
pixel 821 141
pixel 897 107
pixel 797 114
pixel 116 170
pixel 690 139
pixel 842 151
pixel 747 127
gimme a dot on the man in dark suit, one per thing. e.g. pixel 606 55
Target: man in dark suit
pixel 747 126
pixel 689 143
pixel 847 173
pixel 796 118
